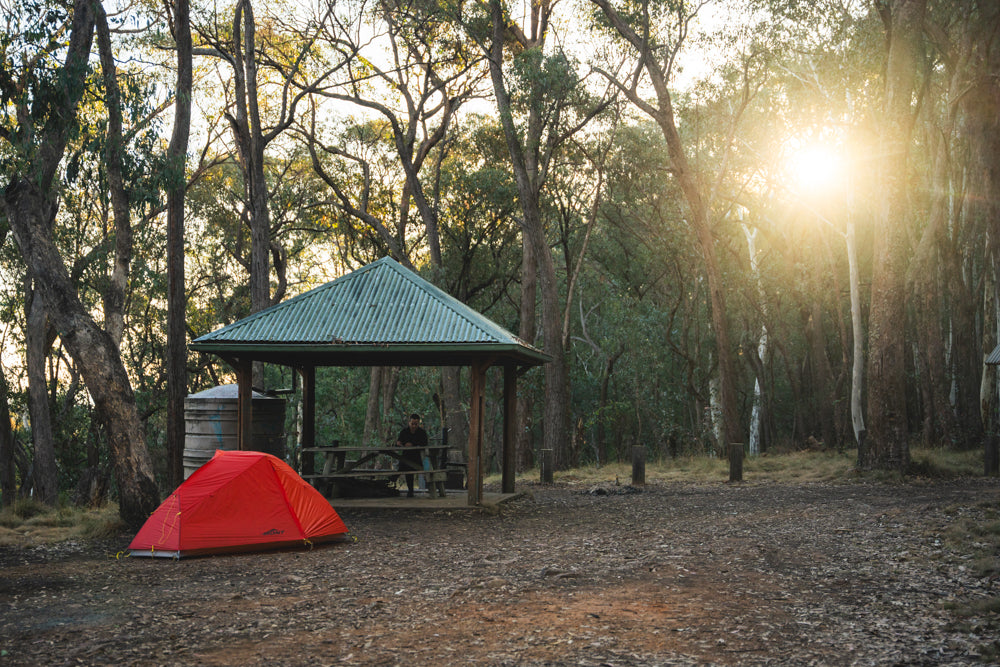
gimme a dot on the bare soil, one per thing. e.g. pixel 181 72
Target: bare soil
pixel 821 574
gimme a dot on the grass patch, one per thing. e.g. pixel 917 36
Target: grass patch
pixel 28 522
pixel 800 467
pixel 945 464
pixel 793 468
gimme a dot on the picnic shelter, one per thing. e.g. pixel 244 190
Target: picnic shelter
pixel 382 314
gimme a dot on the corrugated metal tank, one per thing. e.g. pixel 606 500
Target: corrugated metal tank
pixel 210 424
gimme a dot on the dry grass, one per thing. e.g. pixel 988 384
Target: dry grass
pixel 28 522
pixel 803 467
pixel 797 467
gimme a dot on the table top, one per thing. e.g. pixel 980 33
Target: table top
pixel 372 449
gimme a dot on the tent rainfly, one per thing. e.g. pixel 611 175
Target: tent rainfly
pixel 238 501
pixel 380 315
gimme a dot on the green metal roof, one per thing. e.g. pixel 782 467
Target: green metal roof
pixel 382 314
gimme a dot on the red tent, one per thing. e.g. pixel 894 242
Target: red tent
pixel 238 501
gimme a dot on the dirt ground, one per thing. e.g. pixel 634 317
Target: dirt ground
pixel 845 574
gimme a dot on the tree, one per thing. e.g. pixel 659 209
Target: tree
pixel 654 54
pixel 548 96
pixel 253 132
pixel 47 108
pixel 888 442
pixel 176 361
pixel 8 482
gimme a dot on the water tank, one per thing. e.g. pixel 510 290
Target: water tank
pixel 210 424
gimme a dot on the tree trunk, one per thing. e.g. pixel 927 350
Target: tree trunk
pixel 37 344
pixel 857 334
pixel 92 349
pixel 456 415
pixel 821 378
pixel 249 140
pixel 981 103
pixel 889 449
pixel 373 416
pixel 114 293
pixel 8 480
pixel 526 331
pixel 663 114
pixel 529 180
pixel 176 298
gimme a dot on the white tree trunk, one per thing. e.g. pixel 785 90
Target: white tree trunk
pixel 751 234
pixel 857 370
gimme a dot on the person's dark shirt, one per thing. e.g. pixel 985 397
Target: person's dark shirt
pixel 408 438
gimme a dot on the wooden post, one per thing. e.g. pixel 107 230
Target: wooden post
pixel 308 419
pixel 736 462
pixel 991 459
pixel 476 433
pixel 547 459
pixel 509 421
pixel 244 405
pixel 334 461
pixel 638 465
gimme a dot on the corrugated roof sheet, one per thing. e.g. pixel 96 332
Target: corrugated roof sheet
pixel 383 303
pixel 993 358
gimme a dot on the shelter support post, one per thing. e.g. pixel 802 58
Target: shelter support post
pixel 308 436
pixel 509 422
pixel 244 405
pixel 476 432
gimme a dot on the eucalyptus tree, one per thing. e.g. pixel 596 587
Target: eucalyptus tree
pixel 40 116
pixel 179 15
pixel 542 101
pixel 8 481
pixel 404 63
pixel 652 36
pixel 889 443
pixel 643 295
pixel 951 278
pixel 260 103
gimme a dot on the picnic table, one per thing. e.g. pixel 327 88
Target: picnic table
pixel 340 463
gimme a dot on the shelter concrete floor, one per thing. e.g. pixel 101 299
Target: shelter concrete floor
pixel 454 500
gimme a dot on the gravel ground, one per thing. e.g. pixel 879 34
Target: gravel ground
pixel 767 574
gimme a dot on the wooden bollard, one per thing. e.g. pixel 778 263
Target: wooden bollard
pixel 736 462
pixel 991 456
pixel 638 465
pixel 546 464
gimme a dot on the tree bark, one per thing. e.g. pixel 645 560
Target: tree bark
pixel 249 140
pixel 889 448
pixel 8 482
pixel 176 297
pixel 37 344
pixel 114 293
pixel 527 331
pixel 373 416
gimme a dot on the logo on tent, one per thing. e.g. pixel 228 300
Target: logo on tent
pixel 273 531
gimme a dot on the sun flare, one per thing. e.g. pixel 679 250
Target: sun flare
pixel 815 168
